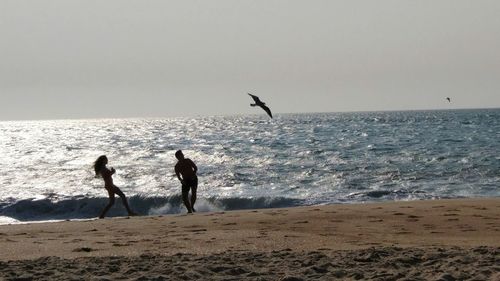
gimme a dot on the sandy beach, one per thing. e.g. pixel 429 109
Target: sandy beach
pixel 417 240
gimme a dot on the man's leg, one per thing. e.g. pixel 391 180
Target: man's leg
pixel 193 197
pixel 185 193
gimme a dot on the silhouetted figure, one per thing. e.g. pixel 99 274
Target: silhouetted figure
pixel 449 100
pixel 258 102
pixel 189 180
pixel 101 169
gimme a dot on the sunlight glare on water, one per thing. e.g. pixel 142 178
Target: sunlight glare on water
pixel 253 161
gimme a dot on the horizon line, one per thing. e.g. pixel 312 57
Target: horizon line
pixel 243 114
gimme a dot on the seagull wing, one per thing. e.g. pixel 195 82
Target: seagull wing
pixel 267 110
pixel 255 98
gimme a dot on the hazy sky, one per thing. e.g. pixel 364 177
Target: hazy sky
pixel 119 58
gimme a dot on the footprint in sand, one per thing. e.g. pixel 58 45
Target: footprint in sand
pixel 263 234
pixel 192 226
pixel 466 228
pixel 412 218
pixel 199 230
pixel 84 249
pixel 490 218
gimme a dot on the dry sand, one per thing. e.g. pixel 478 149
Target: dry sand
pixel 419 240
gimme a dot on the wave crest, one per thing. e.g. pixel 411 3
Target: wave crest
pixel 84 208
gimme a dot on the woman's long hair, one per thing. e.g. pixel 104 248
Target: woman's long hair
pixel 99 164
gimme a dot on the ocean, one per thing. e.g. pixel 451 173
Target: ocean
pixel 247 161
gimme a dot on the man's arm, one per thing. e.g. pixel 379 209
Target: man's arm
pixel 178 174
pixel 195 169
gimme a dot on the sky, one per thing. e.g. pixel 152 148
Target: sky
pixel 66 59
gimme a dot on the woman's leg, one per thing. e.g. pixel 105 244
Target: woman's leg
pixel 110 203
pixel 124 200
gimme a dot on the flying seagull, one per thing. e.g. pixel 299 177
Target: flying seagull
pixel 449 100
pixel 261 104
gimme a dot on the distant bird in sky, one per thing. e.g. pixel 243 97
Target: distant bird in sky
pixel 258 102
pixel 449 100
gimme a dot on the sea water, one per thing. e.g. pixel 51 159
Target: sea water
pixel 248 161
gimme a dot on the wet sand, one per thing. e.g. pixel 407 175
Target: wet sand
pixel 418 240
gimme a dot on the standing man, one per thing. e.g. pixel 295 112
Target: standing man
pixel 187 169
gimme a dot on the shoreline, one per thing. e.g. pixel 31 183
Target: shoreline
pixel 6 220
pixel 465 229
